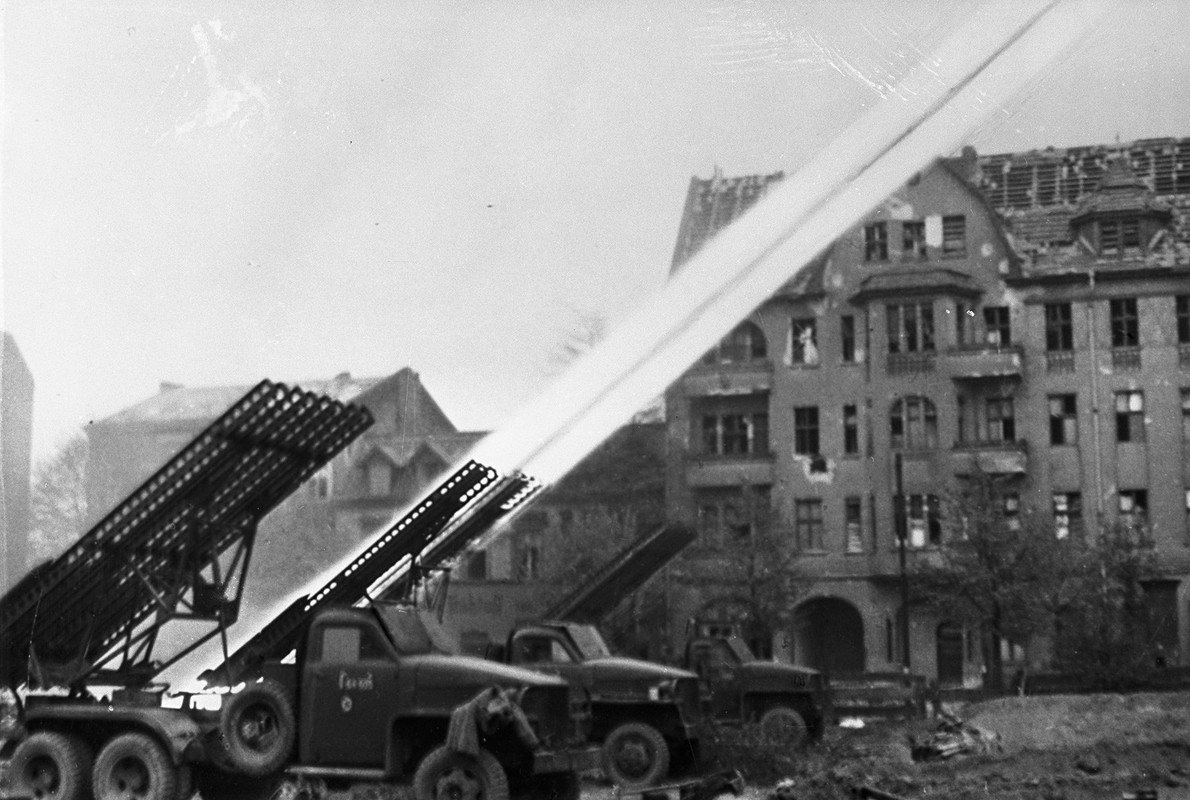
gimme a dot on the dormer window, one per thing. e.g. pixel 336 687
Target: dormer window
pixel 1119 236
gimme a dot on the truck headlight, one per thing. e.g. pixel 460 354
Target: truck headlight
pixel 662 692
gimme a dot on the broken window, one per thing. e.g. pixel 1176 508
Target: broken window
pixel 1125 322
pixel 913 424
pixel 805 430
pixel 1130 416
pixel 1059 327
pixel 954 235
pixel 1133 507
pixel 910 328
pixel 876 242
pixel 850 430
pixel 913 240
pixel 997 326
pixel 847 338
pixel 804 349
pixel 1063 419
pixel 853 520
pixel 1001 420
pixel 807 522
pixel 1068 514
pixel 923 519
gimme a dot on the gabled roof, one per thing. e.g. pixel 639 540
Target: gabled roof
pixel 713 204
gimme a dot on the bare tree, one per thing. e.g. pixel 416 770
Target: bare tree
pixel 58 499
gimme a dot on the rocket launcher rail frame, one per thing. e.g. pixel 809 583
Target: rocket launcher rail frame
pixel 177 547
pixel 404 540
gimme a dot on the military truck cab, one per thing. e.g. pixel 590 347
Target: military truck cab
pixel 375 694
pixel 789 702
pixel 646 716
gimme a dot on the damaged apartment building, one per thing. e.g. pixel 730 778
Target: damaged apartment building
pixel 1022 315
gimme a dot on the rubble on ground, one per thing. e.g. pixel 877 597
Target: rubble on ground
pixel 954 737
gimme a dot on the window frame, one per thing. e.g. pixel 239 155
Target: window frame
pixel 876 242
pixel 910 326
pixel 1000 419
pixel 850 429
pixel 808 524
pixel 807 431
pixel 913 240
pixel 803 352
pixel 1182 316
pixel 1124 318
pixel 853 523
pixel 1068 514
pixel 847 338
pixel 1059 327
pixel 997 325
pixel 1063 416
pixel 900 414
pixel 1130 422
pixel 954 235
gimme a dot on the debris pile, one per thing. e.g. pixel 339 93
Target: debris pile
pixel 954 737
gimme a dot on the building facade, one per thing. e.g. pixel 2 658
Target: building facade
pixel 16 443
pixel 1021 315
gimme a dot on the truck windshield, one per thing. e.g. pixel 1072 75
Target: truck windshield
pixel 406 628
pixel 589 641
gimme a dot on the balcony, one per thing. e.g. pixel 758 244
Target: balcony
pixel 992 458
pixel 1125 359
pixel 724 379
pixel 977 363
pixel 909 363
pixel 708 471
pixel 1057 361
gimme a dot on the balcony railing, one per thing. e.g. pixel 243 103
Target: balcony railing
pixel 1059 361
pixel 1125 358
pixel 726 378
pixel 996 458
pixel 909 363
pixel 973 363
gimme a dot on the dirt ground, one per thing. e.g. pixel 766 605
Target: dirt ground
pixel 1051 748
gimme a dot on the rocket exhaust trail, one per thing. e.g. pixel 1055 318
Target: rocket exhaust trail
pixel 927 115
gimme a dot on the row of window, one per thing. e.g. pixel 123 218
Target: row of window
pixel 910 328
pixel 919 521
pixel 950 232
pixel 913 425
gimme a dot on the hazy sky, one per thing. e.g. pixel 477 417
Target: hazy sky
pixel 209 193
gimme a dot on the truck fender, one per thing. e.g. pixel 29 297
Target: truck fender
pixel 172 727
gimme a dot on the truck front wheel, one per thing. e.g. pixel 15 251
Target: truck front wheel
pixel 51 766
pixel 133 766
pixel 635 756
pixel 785 726
pixel 258 728
pixel 446 774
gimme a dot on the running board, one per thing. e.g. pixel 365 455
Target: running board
pixel 357 773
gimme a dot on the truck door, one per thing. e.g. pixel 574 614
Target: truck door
pixel 714 662
pixel 349 696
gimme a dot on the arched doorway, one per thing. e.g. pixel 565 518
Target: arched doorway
pixel 828 635
pixel 949 638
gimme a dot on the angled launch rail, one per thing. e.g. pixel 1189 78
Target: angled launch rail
pixel 177 548
pixel 461 508
pixel 623 574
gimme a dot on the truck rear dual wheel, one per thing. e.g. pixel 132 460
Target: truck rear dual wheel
pixel 133 766
pixel 51 766
pixel 446 774
pixel 635 756
pixel 257 726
